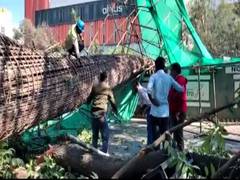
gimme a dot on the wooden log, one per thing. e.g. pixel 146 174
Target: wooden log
pixel 85 162
pixel 227 167
pixel 35 87
pixel 86 159
pixel 133 162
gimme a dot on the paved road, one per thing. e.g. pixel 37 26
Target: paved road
pixel 127 139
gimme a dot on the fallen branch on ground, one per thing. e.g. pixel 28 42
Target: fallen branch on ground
pixel 75 140
pixel 133 162
pixel 226 167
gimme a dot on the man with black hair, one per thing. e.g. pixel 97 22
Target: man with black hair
pixel 178 104
pixel 100 96
pixel 158 87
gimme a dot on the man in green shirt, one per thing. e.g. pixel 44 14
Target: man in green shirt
pixel 100 96
pixel 74 42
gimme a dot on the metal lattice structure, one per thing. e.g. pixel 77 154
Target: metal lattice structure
pixel 36 87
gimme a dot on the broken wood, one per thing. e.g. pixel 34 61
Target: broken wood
pixel 226 168
pixel 82 161
pixel 75 140
pixel 35 86
pixel 143 152
pixel 85 162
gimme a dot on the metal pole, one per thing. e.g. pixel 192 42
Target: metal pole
pixel 199 95
pixel 214 91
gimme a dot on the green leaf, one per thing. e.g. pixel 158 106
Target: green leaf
pixel 206 171
pixel 179 166
pixel 212 168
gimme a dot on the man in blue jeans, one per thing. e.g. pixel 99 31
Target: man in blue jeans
pixel 100 96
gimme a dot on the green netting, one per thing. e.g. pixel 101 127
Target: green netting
pixel 161 23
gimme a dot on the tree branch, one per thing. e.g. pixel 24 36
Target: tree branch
pixel 163 137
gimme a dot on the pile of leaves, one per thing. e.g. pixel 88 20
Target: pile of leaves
pixel 12 167
pixel 86 136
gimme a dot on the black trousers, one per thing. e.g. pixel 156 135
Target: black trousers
pixel 98 125
pixel 176 119
pixel 72 50
pixel 159 126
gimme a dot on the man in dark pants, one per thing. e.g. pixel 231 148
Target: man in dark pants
pixel 74 42
pixel 100 96
pixel 158 88
pixel 178 104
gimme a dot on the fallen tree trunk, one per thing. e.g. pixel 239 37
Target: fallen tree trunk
pixel 143 152
pixel 35 87
pixel 228 168
pixel 77 141
pixel 85 162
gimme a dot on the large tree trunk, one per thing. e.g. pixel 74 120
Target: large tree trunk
pixel 36 87
pixel 85 162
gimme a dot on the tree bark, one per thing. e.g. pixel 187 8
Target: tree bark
pixel 228 167
pixel 85 162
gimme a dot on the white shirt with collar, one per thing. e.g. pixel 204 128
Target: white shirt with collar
pixel 159 86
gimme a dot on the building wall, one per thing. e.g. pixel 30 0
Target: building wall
pixel 61 3
pixel 31 6
pixel 103 32
pixel 88 12
pixel 93 13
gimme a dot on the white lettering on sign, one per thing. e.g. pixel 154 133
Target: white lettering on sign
pixel 202 77
pixel 193 92
pixel 196 104
pixel 233 69
pixel 109 9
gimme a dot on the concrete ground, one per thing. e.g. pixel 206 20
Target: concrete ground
pixel 127 139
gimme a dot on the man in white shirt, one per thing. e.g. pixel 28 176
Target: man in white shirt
pixel 158 88
pixel 146 104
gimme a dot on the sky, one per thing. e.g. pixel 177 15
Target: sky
pixel 16 7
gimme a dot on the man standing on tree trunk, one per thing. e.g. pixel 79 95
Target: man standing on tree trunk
pixel 100 96
pixel 158 88
pixel 74 42
pixel 178 104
